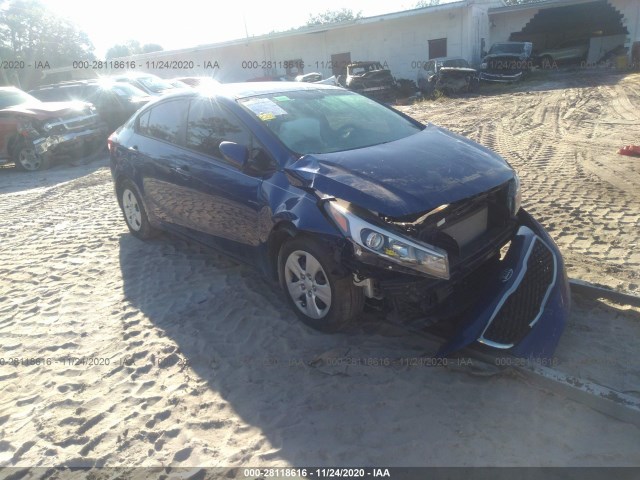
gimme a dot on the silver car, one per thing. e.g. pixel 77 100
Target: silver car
pixel 569 51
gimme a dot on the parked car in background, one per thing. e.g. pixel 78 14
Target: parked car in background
pixel 147 82
pixel 448 75
pixel 570 51
pixel 114 101
pixel 370 79
pixel 199 82
pixel 268 78
pixel 346 201
pixel 507 62
pixel 177 83
pixel 309 77
pixel 34 133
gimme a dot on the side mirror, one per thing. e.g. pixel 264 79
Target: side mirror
pixel 234 153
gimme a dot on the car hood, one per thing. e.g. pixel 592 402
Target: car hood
pixel 456 70
pixel 405 177
pixel 374 76
pixel 47 109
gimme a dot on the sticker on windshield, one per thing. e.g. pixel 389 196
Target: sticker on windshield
pixel 264 108
pixel 281 98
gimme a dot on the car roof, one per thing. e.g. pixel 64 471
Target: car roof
pixel 446 59
pixel 251 89
pixel 133 75
pixel 235 91
pixel 509 43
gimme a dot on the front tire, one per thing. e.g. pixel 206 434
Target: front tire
pixel 26 158
pixel 134 212
pixel 474 85
pixel 322 299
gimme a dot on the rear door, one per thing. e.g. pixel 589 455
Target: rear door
pixel 158 151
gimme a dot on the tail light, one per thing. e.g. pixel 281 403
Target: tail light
pixel 111 143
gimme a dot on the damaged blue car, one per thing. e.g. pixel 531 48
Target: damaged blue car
pixel 347 202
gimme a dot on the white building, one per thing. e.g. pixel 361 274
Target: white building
pixel 402 40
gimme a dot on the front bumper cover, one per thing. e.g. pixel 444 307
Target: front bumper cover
pixel 524 309
pixel 60 144
pixel 500 77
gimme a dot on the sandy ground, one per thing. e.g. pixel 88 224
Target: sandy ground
pixel 194 360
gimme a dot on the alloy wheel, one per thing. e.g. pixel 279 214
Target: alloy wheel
pixel 131 209
pixel 307 284
pixel 28 159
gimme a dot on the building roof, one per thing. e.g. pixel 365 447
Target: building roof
pixel 314 29
pixel 538 5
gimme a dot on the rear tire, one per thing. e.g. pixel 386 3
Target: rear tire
pixel 322 299
pixel 134 213
pixel 546 62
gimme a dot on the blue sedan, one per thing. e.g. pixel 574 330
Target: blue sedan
pixel 346 202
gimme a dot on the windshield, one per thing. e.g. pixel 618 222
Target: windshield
pixel 10 98
pixel 364 68
pixel 324 121
pixel 455 63
pixel 155 85
pixel 127 91
pixel 507 48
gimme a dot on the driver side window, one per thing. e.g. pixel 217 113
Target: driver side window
pixel 208 125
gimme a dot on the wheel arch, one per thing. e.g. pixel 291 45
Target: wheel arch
pixel 123 178
pixel 282 232
pixel 13 144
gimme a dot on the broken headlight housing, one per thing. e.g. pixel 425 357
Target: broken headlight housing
pixel 389 245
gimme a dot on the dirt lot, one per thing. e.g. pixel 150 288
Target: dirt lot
pixel 561 133
pixel 194 360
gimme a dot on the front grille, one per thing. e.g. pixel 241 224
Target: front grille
pixel 80 123
pixel 72 124
pixel 523 306
pixel 464 229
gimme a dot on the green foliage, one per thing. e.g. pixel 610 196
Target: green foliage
pixel 132 47
pixel 427 3
pixel 151 47
pixel 33 33
pixel 118 51
pixel 333 16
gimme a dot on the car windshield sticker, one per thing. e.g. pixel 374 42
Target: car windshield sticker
pixel 264 108
pixel 281 98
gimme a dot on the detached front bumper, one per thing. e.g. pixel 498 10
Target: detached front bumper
pixel 524 309
pixel 69 142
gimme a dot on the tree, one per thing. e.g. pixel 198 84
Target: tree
pixel 117 51
pixel 333 16
pixel 132 47
pixel 33 34
pixel 151 47
pixel 427 3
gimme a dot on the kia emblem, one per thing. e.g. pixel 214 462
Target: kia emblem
pixel 506 275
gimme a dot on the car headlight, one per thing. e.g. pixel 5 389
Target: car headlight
pixel 391 246
pixel 483 65
pixel 515 195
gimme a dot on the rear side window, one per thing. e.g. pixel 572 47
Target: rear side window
pixel 209 125
pixel 164 121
